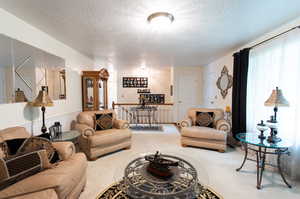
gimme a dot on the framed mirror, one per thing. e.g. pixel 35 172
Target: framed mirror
pixel 224 82
pixel 24 69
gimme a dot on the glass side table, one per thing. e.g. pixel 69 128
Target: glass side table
pixel 67 136
pixel 262 149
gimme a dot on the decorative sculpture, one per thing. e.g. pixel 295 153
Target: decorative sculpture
pixel 160 167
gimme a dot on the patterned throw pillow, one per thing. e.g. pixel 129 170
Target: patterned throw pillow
pixel 205 119
pixel 103 121
pixel 18 168
pixel 3 150
pixel 36 143
pixel 12 146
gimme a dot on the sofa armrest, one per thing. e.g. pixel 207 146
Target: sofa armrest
pixel 185 123
pixel 65 149
pixel 223 125
pixel 85 130
pixel 121 124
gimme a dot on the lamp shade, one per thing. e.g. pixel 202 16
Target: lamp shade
pixel 276 99
pixel 43 98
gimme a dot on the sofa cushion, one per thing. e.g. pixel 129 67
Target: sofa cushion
pixel 205 119
pixel 20 167
pixel 110 136
pixel 103 121
pixel 203 132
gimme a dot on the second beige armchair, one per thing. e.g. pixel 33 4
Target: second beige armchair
pixel 97 143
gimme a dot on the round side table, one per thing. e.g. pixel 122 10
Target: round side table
pixel 262 148
pixel 68 136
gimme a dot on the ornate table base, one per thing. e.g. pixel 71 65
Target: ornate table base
pixel 261 153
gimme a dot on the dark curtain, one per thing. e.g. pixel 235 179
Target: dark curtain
pixel 239 91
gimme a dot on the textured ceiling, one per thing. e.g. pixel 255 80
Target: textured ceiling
pixel 116 31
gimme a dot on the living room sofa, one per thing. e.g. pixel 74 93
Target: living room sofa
pixel 97 143
pixel 66 180
pixel 205 137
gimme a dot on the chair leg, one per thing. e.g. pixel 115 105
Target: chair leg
pixel 221 150
pixel 93 159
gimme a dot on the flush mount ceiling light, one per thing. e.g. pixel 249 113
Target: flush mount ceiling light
pixel 160 18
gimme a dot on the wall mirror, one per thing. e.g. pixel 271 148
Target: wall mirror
pixel 24 69
pixel 224 82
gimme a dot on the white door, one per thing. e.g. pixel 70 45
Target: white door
pixel 188 81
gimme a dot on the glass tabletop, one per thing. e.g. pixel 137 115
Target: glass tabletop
pixel 202 174
pixel 67 136
pixel 252 138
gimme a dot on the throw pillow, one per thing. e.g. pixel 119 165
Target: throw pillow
pixel 205 119
pixel 18 168
pixel 13 145
pixel 3 150
pixel 103 121
pixel 36 143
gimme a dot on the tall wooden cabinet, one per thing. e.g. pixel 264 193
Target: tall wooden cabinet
pixel 94 90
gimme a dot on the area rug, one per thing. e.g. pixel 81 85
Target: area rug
pixel 115 192
pixel 146 128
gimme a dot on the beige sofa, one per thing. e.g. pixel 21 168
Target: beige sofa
pixel 64 181
pixel 211 138
pixel 97 143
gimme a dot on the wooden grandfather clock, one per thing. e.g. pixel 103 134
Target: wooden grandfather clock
pixel 94 90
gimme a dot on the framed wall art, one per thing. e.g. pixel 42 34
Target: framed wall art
pixel 135 82
pixel 153 98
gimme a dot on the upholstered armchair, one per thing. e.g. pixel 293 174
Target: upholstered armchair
pixel 207 137
pixel 97 143
pixel 65 180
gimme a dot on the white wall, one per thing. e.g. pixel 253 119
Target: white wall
pixel 64 110
pixel 159 81
pixel 212 71
pixel 212 96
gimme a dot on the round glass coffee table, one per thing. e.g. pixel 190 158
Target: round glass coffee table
pixel 188 180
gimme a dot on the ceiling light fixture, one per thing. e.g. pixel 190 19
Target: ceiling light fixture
pixel 160 18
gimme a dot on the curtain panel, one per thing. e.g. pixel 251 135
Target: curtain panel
pixel 239 91
pixel 277 63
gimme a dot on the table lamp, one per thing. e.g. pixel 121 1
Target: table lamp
pixel 277 100
pixel 43 100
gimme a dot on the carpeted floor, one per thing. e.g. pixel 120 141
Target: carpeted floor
pixel 217 170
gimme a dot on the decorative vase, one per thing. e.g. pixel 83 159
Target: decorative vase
pixel 273 125
pixel 262 128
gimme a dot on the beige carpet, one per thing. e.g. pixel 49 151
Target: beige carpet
pixel 217 170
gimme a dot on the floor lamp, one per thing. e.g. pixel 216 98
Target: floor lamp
pixel 43 100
